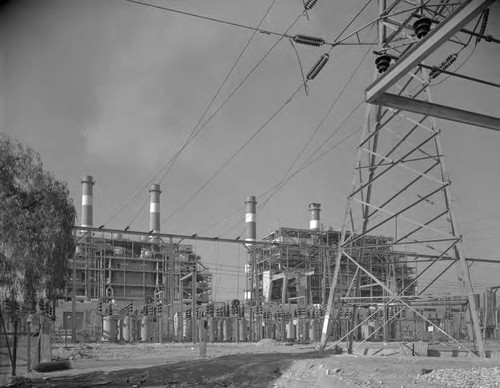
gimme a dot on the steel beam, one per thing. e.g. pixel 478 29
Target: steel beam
pixel 436 110
pixel 458 19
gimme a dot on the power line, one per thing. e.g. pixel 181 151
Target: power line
pixel 308 162
pixel 312 159
pixel 196 131
pixel 228 161
pixel 256 29
pixel 297 38
pixel 352 20
pixel 320 124
pixel 304 166
pixel 280 184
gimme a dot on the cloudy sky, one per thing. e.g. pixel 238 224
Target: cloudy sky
pixel 113 89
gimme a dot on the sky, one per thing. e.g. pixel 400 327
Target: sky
pixel 113 89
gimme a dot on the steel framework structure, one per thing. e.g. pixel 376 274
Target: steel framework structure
pixel 401 186
pixel 133 267
pixel 297 267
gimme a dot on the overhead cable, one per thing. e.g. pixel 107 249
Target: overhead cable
pixel 320 124
pixel 266 32
pixel 194 132
pixel 228 161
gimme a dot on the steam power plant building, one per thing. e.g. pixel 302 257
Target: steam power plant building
pixel 124 274
pixel 296 265
pixel 129 268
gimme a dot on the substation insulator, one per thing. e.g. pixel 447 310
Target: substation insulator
pixel 308 40
pixel 422 27
pixel 382 63
pixel 309 4
pixel 442 6
pixel 41 305
pixel 484 23
pixel 47 308
pixel 450 60
pixel 317 67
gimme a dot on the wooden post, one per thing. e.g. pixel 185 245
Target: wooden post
pixel 14 349
pixel 203 340
pixel 28 345
pixel 160 326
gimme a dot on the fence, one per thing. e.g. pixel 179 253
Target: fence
pixel 24 342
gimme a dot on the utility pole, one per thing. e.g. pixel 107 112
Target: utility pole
pixel 194 304
pixel 73 302
pixel 171 284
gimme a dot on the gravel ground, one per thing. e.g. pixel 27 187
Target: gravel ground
pixel 265 364
pixel 463 378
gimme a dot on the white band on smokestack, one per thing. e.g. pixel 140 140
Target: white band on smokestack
pixel 154 208
pixel 314 209
pixel 87 201
pixel 251 218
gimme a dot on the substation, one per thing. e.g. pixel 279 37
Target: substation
pixel 377 278
pixel 142 286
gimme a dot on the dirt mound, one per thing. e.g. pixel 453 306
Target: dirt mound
pixel 267 342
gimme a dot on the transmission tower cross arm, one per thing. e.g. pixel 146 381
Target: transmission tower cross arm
pixel 458 19
pixel 440 111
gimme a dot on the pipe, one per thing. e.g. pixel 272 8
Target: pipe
pixel 154 208
pixel 87 201
pixel 314 210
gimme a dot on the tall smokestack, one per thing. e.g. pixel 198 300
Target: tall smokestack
pixel 251 218
pixel 154 208
pixel 314 209
pixel 87 201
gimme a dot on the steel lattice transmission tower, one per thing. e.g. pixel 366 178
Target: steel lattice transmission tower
pixel 401 188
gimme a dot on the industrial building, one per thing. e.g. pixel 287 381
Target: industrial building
pixel 296 265
pixel 145 280
pixel 112 272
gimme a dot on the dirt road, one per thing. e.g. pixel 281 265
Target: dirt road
pixel 268 364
